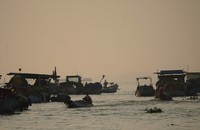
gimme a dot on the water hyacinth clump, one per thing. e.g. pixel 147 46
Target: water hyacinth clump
pixel 154 110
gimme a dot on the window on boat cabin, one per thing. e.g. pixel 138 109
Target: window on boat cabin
pixel 73 79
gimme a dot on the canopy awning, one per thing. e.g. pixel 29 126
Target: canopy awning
pixel 34 76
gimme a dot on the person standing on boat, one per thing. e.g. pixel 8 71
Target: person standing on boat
pixel 105 84
pixel 87 98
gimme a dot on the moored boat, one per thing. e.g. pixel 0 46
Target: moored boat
pixel 144 89
pixel 38 92
pixel 109 87
pixel 74 85
pixel 173 81
pixel 112 88
pixel 77 103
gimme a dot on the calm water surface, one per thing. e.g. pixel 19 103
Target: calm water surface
pixel 121 110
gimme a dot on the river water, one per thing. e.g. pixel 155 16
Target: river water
pixel 118 111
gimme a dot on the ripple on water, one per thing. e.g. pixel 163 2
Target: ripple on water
pixel 110 112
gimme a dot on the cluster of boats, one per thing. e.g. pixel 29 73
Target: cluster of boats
pixel 18 93
pixel 171 83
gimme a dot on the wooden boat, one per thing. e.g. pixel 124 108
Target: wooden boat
pixel 173 81
pixel 74 85
pixel 110 89
pixel 77 103
pixel 38 92
pixel 144 90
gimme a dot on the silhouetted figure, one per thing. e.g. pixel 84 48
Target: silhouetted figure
pixel 88 99
pixel 105 84
pixel 68 100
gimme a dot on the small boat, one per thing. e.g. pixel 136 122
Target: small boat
pixel 78 103
pixel 110 89
pixel 144 90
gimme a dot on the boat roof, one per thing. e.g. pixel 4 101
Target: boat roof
pixel 33 75
pixel 171 72
pixel 73 76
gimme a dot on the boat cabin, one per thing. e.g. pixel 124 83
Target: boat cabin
pixel 73 85
pixel 144 89
pixel 144 78
pixel 73 78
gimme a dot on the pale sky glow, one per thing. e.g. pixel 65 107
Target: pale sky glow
pixel 118 38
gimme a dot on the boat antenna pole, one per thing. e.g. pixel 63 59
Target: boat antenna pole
pixel 102 78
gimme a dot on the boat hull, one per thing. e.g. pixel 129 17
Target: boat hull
pixel 110 89
pixel 78 103
pixel 143 91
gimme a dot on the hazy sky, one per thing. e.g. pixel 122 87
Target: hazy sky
pixel 118 38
